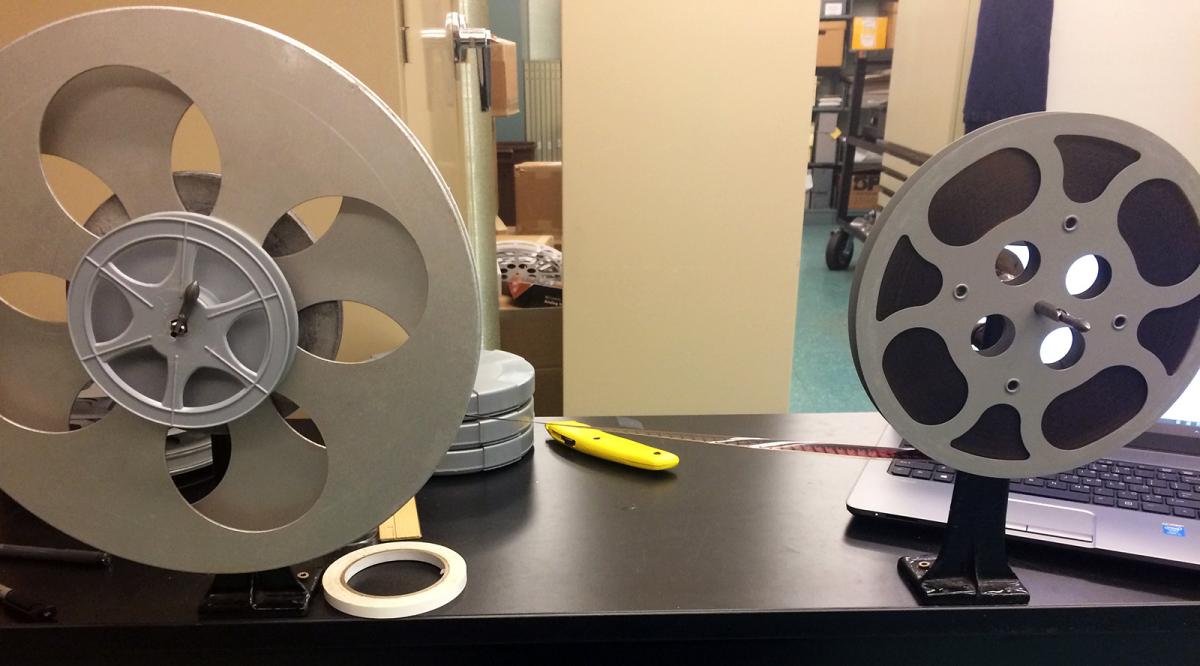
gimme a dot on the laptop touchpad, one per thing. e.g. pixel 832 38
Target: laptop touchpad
pixel 1057 521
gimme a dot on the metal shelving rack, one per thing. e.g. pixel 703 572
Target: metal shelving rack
pixel 863 62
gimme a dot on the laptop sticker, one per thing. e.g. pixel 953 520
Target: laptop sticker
pixel 1172 529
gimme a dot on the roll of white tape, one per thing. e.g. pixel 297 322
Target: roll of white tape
pixel 336 581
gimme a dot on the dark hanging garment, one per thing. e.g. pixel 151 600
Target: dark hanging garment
pixel 1011 61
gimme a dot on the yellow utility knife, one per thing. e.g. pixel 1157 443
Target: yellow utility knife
pixel 595 442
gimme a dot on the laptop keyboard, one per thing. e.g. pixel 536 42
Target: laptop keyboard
pixel 1167 491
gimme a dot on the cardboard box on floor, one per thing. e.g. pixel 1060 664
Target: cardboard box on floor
pixel 831 41
pixel 510 234
pixel 538 188
pixel 535 334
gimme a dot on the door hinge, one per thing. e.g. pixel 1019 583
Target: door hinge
pixel 463 39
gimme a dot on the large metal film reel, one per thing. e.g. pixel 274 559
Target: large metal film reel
pixel 966 274
pixel 106 90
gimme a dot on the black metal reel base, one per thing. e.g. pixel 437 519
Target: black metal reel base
pixel 972 567
pixel 274 593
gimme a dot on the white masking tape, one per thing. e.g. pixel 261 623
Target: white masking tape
pixel 341 596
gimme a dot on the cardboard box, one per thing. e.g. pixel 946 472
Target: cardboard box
pixel 864 191
pixel 870 33
pixel 505 98
pixel 548 392
pixel 831 43
pixel 538 188
pixel 535 334
pixel 508 155
pixel 541 239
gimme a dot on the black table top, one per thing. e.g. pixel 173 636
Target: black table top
pixel 754 549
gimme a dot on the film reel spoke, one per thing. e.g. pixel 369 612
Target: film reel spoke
pixel 1147 168
pixel 197 192
pixel 119 122
pixel 225 311
pixel 254 126
pixel 40 236
pixel 179 371
pixel 961 422
pixel 923 243
pixel 375 260
pixel 120 445
pixel 275 475
pixel 139 294
pixel 908 318
pixel 41 374
pixel 223 358
pixel 1164 331
pixel 1148 297
pixel 183 270
pixel 128 341
pixel 333 393
pixel 1032 438
pixel 247 198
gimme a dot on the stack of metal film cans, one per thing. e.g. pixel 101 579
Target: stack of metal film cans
pixel 498 428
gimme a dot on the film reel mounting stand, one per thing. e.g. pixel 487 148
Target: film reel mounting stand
pixel 184 319
pixel 949 323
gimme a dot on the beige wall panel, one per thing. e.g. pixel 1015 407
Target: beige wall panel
pixel 432 89
pixel 930 67
pixel 685 148
pixel 1119 58
pixel 361 36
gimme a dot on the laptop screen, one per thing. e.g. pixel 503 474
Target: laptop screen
pixel 1178 431
pixel 1186 410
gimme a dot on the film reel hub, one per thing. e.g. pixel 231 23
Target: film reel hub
pixel 980 317
pixel 182 319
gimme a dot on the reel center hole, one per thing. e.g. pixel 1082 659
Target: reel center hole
pixel 992 335
pixel 1017 263
pixel 1061 348
pixel 389 579
pixel 1088 276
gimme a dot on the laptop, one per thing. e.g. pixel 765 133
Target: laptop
pixel 1141 503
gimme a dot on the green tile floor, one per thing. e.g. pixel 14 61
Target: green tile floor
pixel 823 376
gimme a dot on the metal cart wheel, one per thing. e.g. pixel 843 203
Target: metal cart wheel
pixel 839 250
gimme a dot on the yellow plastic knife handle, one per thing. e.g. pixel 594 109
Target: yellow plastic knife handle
pixel 596 442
